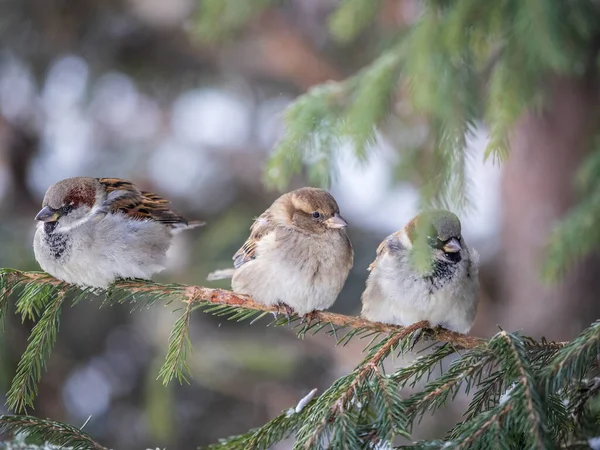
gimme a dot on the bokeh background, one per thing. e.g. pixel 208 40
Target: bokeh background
pixel 134 89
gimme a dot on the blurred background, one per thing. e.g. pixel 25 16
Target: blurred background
pixel 134 89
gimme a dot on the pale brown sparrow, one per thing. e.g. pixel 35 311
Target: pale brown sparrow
pixel 297 256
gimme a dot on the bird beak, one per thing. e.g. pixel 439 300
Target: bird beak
pixel 452 246
pixel 47 215
pixel 336 221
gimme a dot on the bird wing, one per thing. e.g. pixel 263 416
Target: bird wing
pixel 392 242
pixel 123 196
pixel 260 228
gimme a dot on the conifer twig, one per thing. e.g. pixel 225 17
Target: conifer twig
pixel 200 294
pixel 494 417
pixel 362 373
pixel 373 362
pixel 50 431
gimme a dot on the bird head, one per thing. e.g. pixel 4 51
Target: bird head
pixel 67 202
pixel 435 236
pixel 310 210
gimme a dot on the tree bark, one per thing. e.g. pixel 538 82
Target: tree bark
pixel 538 189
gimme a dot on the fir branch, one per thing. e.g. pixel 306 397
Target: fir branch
pixel 468 433
pixel 561 419
pixel 33 299
pixel 179 347
pixel 312 135
pixel 217 20
pixel 588 176
pixel 574 360
pixel 334 408
pixel 514 360
pixel 577 233
pixel 266 436
pixel 6 287
pixel 422 366
pixel 351 17
pixel 237 307
pixel 575 237
pixel 49 431
pixel 390 419
pixel 321 120
pixel 231 303
pixel 467 370
pixel 371 100
pixel 487 396
pixel 23 388
pixel 583 394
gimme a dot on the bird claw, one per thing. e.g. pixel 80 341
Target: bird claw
pixel 309 317
pixel 415 339
pixel 418 329
pixel 288 311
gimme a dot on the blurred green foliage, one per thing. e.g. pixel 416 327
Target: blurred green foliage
pixel 460 62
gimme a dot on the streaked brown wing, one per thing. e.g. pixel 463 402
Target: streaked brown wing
pixel 125 197
pixel 260 228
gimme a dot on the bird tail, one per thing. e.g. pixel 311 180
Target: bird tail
pixel 220 274
pixel 194 224
pixel 178 228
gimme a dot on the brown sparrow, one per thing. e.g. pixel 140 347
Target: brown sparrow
pixel 445 294
pixel 297 256
pixel 92 231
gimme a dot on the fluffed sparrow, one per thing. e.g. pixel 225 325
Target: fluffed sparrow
pixel 445 293
pixel 297 256
pixel 92 231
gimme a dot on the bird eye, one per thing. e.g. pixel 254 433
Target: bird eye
pixel 67 209
pixel 433 242
pixel 316 214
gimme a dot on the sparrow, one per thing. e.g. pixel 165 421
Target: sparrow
pixel 444 293
pixel 92 231
pixel 298 255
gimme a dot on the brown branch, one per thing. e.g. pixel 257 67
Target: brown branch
pixel 199 294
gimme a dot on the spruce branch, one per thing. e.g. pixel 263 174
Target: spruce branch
pixel 272 432
pixel 23 388
pixel 575 359
pixel 364 408
pixel 371 99
pixel 466 370
pixel 179 347
pixel 33 299
pixel 56 433
pixel 217 20
pixel 516 363
pixel 28 286
pixel 387 404
pixel 487 395
pixel 351 17
pixel 229 303
pixel 338 405
pixel 5 291
pixel 577 234
pixel 470 432
pixel 583 394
